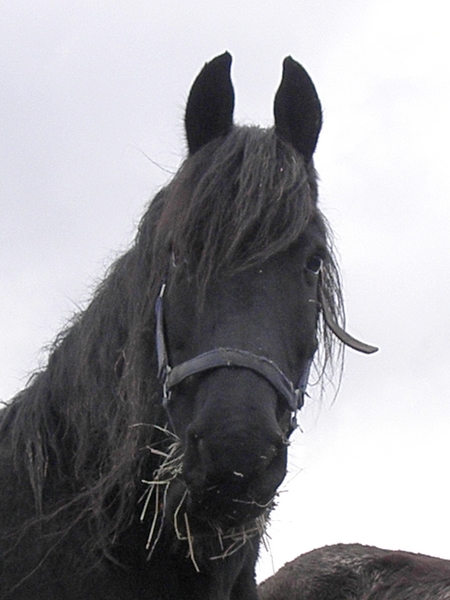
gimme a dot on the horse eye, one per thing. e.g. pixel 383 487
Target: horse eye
pixel 315 264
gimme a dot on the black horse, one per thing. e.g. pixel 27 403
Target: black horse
pixel 143 461
pixel 356 572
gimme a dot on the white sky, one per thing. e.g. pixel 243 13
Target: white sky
pixel 90 89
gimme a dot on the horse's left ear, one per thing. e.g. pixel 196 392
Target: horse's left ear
pixel 297 110
pixel 209 110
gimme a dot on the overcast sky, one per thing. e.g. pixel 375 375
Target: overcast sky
pixel 91 107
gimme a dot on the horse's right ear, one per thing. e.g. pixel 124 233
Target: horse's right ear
pixel 209 110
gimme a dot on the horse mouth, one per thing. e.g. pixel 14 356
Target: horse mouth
pixel 216 510
pixel 214 529
pixel 211 519
pixel 214 507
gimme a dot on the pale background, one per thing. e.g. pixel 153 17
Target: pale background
pixel 91 93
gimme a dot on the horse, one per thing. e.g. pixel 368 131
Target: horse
pixel 357 572
pixel 143 461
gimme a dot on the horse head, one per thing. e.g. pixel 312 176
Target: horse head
pixel 247 258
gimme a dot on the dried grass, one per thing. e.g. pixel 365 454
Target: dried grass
pixel 155 501
pixel 158 487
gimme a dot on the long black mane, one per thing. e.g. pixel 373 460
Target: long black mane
pixel 88 424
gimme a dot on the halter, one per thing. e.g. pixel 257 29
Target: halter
pixel 224 357
pixel 217 358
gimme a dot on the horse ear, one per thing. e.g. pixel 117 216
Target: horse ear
pixel 297 110
pixel 209 109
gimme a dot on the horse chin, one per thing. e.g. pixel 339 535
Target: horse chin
pixel 223 515
pixel 214 510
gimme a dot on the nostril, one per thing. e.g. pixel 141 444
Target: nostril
pixel 194 459
pixel 270 458
pixel 268 455
pixel 193 438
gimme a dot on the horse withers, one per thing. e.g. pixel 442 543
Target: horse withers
pixel 143 461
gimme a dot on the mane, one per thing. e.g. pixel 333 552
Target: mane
pixel 88 424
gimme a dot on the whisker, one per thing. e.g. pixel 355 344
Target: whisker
pixel 254 503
